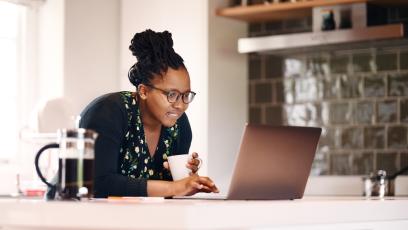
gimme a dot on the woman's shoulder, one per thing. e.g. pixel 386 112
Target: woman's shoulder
pixel 106 115
pixel 107 105
pixel 109 98
pixel 183 125
pixel 105 110
pixel 114 99
pixel 183 120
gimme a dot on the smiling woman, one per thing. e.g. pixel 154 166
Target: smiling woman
pixel 139 130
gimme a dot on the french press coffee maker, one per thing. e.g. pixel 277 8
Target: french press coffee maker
pixel 75 164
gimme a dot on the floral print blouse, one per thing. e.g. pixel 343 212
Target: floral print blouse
pixel 122 160
pixel 137 162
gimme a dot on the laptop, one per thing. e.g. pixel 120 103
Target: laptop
pixel 273 163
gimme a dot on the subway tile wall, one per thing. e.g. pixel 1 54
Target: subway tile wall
pixel 358 97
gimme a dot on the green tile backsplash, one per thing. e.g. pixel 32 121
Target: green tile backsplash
pixel 398 85
pixel 387 111
pixel 358 97
pixel 363 112
pixel 403 60
pixel 374 137
pixel 363 62
pixel 404 110
pixel 340 64
pixel 397 137
pixel 387 61
pixel 387 161
pixel 263 92
pixel 374 86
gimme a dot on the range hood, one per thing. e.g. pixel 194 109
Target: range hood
pixel 370 35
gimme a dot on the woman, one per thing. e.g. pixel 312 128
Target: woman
pixel 139 130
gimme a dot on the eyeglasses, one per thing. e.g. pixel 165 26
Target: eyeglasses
pixel 174 95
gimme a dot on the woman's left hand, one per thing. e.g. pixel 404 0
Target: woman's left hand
pixel 194 163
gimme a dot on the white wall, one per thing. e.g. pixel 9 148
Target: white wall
pixel 227 94
pixel 50 49
pixel 188 23
pixel 78 49
pixel 91 49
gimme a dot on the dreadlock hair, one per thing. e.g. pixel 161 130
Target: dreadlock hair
pixel 154 53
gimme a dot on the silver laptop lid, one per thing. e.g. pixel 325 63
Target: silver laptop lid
pixel 273 162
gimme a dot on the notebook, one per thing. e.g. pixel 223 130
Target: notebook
pixel 273 163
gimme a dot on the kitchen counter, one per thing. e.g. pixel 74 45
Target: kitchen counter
pixel 157 213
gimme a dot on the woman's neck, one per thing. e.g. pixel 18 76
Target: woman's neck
pixel 149 121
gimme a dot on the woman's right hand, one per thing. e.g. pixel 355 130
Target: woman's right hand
pixel 192 185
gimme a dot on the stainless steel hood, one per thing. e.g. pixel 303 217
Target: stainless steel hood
pixel 312 40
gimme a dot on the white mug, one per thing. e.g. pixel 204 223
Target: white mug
pixel 178 168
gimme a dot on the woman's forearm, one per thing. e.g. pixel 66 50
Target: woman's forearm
pixel 160 188
pixel 185 187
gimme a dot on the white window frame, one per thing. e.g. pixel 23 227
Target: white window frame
pixel 27 74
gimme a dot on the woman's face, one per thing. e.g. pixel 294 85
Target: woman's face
pixel 156 100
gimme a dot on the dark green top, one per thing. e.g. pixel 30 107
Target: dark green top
pixel 122 160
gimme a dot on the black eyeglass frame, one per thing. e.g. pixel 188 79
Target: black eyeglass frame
pixel 184 95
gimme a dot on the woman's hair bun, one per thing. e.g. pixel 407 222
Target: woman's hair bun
pixel 149 43
pixel 154 52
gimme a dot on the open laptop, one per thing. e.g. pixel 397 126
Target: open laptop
pixel 273 163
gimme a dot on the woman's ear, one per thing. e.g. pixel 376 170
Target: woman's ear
pixel 141 90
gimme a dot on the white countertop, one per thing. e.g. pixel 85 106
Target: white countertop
pixel 307 213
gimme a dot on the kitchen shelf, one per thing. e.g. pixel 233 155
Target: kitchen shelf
pixel 289 10
pixel 324 40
